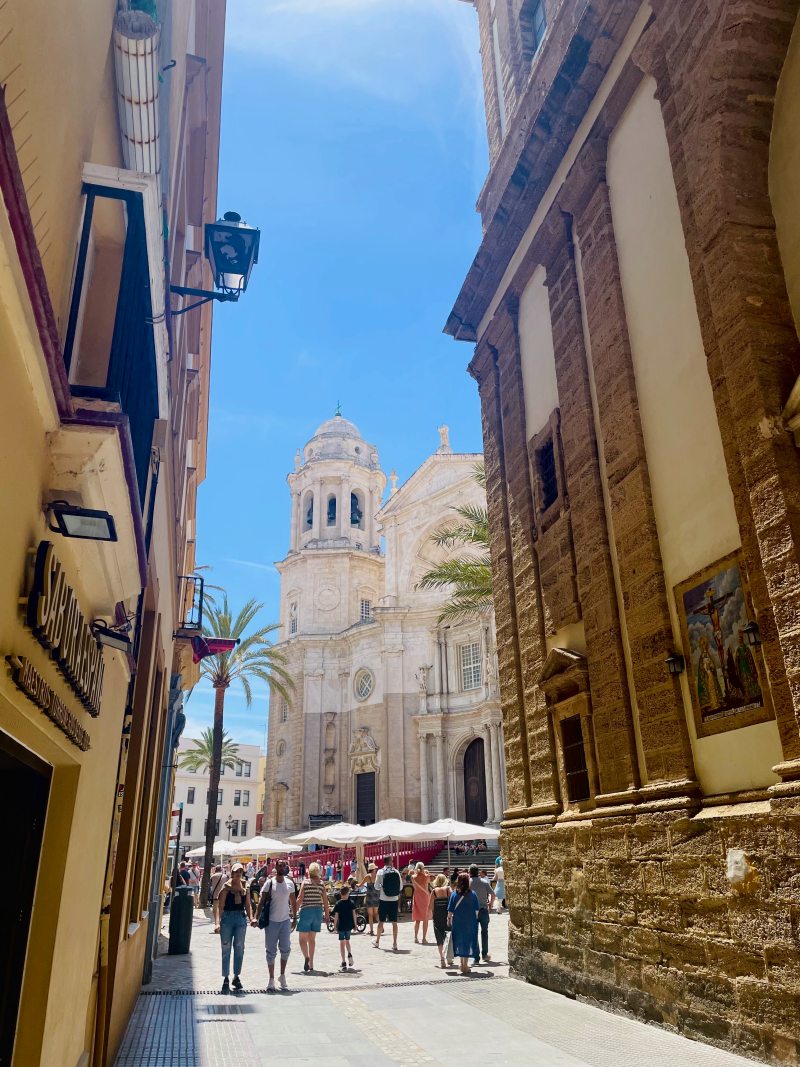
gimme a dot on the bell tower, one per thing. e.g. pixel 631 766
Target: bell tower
pixel 332 575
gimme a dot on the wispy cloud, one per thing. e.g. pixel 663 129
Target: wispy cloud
pixel 384 48
pixel 251 563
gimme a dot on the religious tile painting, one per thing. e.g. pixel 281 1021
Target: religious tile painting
pixel 725 674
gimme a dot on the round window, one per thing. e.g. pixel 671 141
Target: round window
pixel 364 684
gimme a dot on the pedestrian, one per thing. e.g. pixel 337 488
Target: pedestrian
pixel 421 902
pixel 389 886
pixel 194 884
pixel 453 877
pixel 302 868
pixel 279 897
pixel 215 885
pixel 328 871
pixel 232 913
pixel 463 911
pixel 183 872
pixel 482 889
pixel 438 900
pixel 311 904
pixel 373 897
pixel 344 922
pixel 499 887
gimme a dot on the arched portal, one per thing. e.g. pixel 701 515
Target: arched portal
pixel 475 810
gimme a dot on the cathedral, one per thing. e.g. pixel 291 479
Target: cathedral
pixel 393 714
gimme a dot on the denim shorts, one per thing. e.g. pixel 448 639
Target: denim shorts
pixel 344 935
pixel 310 920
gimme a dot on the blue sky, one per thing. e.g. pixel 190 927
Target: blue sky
pixel 353 137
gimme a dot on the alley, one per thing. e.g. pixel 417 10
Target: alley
pixel 393 1009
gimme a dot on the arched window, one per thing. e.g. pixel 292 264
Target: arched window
pixel 280 748
pixel 356 510
pixel 331 510
pixel 309 521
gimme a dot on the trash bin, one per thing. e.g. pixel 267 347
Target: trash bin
pixel 180 920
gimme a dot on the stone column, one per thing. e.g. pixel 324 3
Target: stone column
pixel 319 504
pixel 488 770
pixel 344 508
pixel 293 536
pixel 440 777
pixel 423 778
pixel 497 770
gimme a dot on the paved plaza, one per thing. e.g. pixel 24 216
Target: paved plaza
pixel 394 1008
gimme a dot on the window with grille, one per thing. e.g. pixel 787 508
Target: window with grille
pixel 366 610
pixel 574 754
pixel 364 684
pixel 532 26
pixel 470 666
pixel 284 712
pixel 546 469
pixel 237 798
pixel 190 795
pixel 293 619
pixel 244 827
pixel 187 827
pixel 246 798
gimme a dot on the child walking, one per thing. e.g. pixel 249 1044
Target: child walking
pixel 344 920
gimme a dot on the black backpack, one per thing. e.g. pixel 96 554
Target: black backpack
pixel 391 882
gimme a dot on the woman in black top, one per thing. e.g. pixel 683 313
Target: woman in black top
pixel 232 912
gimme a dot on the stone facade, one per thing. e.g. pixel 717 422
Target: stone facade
pixel 393 714
pixel 638 362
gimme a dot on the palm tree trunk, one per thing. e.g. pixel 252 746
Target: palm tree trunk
pixel 213 789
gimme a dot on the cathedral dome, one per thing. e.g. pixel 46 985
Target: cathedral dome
pixel 338 438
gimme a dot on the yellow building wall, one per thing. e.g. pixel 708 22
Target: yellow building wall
pixel 784 167
pixel 692 498
pixel 57 52
pixel 62 952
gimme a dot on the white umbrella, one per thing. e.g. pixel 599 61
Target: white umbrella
pixel 266 846
pixel 221 848
pixel 338 835
pixel 453 830
pixel 398 830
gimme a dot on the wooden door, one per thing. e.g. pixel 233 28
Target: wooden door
pixel 365 798
pixel 475 810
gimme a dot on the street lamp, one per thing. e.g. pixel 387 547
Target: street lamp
pixel 229 826
pixel 231 247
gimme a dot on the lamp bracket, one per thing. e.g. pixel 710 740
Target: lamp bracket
pixel 205 295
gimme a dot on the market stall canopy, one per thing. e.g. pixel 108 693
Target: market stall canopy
pixel 453 830
pixel 268 846
pixel 221 848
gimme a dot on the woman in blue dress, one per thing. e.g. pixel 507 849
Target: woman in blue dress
pixel 463 921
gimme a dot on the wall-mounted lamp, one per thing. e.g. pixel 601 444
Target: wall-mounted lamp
pixel 112 638
pixel 73 521
pixel 752 634
pixel 675 663
pixel 231 247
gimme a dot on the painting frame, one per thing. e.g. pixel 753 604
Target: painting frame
pixel 730 689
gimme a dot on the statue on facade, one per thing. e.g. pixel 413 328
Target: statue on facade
pixel 364 752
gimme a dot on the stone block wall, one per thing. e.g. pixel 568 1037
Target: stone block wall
pixel 637 912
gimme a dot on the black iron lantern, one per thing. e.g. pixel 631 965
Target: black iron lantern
pixel 232 250
pixel 231 247
pixel 675 663
pixel 752 634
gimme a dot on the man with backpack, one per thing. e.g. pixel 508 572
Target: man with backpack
pixel 390 886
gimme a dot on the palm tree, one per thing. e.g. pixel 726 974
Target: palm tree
pixel 254 658
pixel 469 576
pixel 201 756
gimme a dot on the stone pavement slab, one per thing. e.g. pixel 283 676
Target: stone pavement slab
pixel 394 1009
